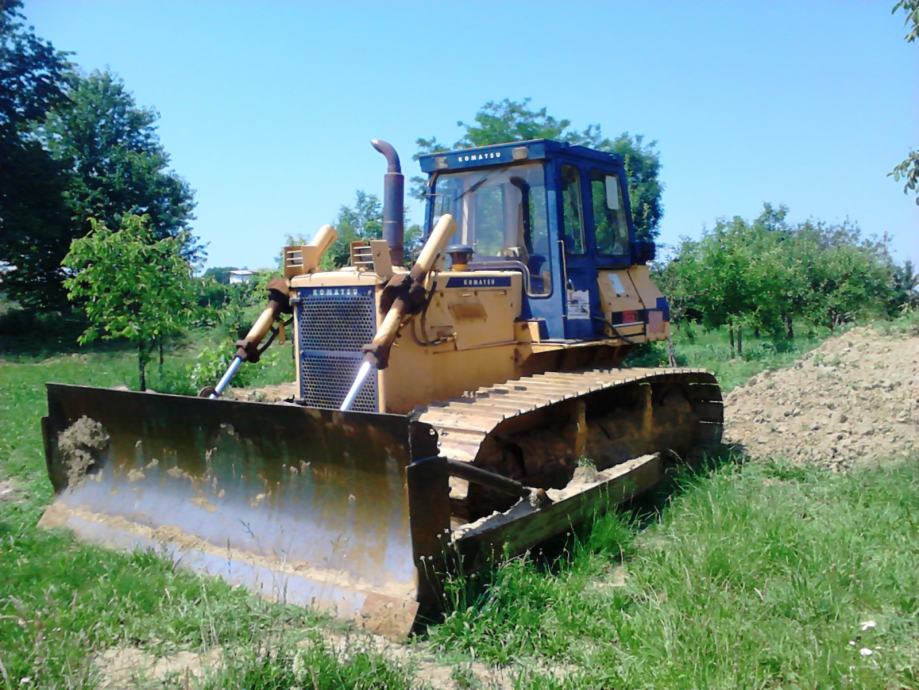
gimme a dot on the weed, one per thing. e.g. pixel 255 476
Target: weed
pixel 314 665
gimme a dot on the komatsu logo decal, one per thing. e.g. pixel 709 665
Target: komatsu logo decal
pixel 479 282
pixel 472 157
pixel 336 292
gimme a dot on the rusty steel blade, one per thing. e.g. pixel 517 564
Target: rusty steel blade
pixel 307 506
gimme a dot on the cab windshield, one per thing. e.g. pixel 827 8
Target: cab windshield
pixel 500 213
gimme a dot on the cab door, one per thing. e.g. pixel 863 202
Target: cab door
pixel 581 299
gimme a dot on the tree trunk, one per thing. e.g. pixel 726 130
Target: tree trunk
pixel 141 366
pixel 789 327
pixel 671 351
pixel 159 343
pixel 740 341
pixel 731 338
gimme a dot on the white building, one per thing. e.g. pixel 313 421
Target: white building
pixel 240 275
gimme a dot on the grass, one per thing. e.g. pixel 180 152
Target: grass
pixel 750 576
pixel 754 576
pixel 56 596
pixel 710 350
pixel 314 664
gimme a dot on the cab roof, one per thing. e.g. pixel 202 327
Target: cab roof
pixel 511 152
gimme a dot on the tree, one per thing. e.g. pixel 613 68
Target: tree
pixel 362 221
pixel 35 225
pixel 221 274
pixel 908 169
pixel 849 276
pixel 33 214
pixel 717 279
pixel 119 166
pixel 32 72
pixel 94 155
pixel 507 120
pixel 905 285
pixel 911 8
pixel 131 285
pixel 764 274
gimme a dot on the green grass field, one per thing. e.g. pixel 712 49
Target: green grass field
pixel 744 575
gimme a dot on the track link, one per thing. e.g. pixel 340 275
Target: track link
pixel 525 406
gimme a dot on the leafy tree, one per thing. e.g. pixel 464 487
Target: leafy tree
pixel 507 120
pixel 911 8
pixel 131 284
pixel 362 221
pixel 32 72
pixel 905 286
pixel 764 274
pixel 33 214
pixel 35 225
pixel 94 155
pixel 119 166
pixel 716 279
pixel 908 170
pixel 212 298
pixel 413 242
pixel 220 273
pixel 849 276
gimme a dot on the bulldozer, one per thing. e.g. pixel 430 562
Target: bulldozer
pixel 466 408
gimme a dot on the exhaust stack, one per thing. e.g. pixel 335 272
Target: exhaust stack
pixel 393 201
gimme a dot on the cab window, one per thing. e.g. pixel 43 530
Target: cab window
pixel 502 214
pixel 573 217
pixel 612 230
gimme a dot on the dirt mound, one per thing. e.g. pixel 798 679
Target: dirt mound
pixel 852 401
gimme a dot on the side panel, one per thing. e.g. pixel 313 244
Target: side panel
pixel 633 304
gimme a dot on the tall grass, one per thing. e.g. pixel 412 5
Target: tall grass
pixel 696 347
pixel 754 576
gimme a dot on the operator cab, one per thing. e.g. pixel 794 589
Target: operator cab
pixel 559 214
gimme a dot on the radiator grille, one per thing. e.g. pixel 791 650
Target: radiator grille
pixel 333 324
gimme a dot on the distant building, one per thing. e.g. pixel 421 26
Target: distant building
pixel 240 275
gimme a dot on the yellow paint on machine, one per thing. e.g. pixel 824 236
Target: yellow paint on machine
pixel 468 337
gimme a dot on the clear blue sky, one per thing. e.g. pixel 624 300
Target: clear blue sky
pixel 267 108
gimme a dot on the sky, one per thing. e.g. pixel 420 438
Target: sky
pixel 267 108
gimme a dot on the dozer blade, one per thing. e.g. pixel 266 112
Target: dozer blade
pixel 307 506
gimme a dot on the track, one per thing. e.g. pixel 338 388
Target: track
pixel 537 428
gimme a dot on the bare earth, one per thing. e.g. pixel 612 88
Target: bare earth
pixel 853 401
pixel 8 490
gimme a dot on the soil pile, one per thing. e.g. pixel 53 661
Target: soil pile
pixel 852 401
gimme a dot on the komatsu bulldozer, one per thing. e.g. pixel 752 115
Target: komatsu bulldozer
pixel 471 406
